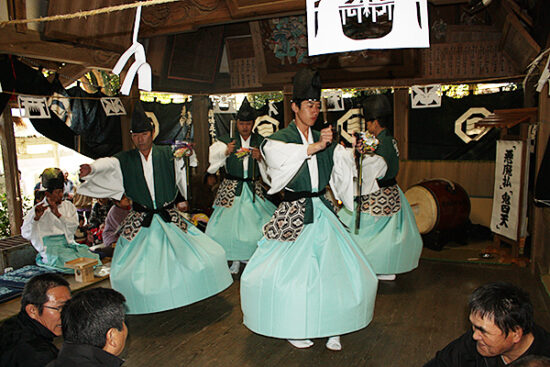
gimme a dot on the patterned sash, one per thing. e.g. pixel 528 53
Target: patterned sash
pixel 382 203
pixel 131 225
pixel 226 192
pixel 287 222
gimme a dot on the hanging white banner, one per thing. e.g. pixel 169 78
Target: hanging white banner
pixel 505 218
pixel 33 107
pixel 113 106
pixel 335 100
pixel 398 24
pixel 225 104
pixel 426 96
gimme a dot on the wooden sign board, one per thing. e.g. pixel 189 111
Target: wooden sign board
pixel 465 60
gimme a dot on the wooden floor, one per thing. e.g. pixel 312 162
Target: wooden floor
pixel 415 316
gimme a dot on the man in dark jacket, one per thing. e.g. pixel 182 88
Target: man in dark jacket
pixel 93 329
pixel 27 338
pixel 502 330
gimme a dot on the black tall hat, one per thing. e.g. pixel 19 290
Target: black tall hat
pixel 376 106
pixel 307 85
pixel 140 121
pixel 52 178
pixel 246 112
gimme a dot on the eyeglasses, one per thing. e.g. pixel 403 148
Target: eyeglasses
pixel 58 309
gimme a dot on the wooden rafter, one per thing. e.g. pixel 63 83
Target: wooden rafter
pixel 17 9
pixel 31 45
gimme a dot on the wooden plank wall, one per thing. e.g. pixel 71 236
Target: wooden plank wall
pixel 541 229
pixel 476 177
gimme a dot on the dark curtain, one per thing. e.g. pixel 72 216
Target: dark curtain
pixel 431 130
pixel 169 116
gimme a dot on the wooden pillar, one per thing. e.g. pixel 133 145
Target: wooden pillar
pixel 540 241
pixel 401 122
pixel 287 96
pixel 199 110
pixel 11 172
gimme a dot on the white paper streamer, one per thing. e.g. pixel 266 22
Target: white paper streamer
pixel 140 66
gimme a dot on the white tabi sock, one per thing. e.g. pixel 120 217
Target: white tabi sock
pixel 333 343
pixel 386 276
pixel 301 344
pixel 235 266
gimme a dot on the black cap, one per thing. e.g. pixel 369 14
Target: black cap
pixel 307 85
pixel 140 121
pixel 52 178
pixel 246 112
pixel 376 106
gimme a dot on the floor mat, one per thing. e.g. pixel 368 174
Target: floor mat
pixel 13 282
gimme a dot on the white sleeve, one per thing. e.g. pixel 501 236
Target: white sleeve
pixel 216 156
pixel 283 162
pixel 181 172
pixel 341 178
pixel 30 230
pixel 105 180
pixel 374 166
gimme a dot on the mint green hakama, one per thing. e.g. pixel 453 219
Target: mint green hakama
pixel 59 251
pixel 164 268
pixel 392 244
pixel 317 286
pixel 239 228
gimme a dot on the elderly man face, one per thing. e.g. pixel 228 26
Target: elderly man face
pixel 143 141
pixel 490 339
pixel 50 317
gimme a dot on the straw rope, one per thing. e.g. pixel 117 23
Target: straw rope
pixel 87 13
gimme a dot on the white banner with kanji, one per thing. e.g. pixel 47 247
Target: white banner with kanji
pixel 505 218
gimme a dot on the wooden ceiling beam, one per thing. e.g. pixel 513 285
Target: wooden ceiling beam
pixel 448 2
pixel 30 45
pixel 185 16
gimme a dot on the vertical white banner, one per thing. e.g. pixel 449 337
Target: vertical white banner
pixel 505 218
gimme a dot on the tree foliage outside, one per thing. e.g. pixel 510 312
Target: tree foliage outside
pixel 5 230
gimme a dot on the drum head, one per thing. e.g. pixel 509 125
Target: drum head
pixel 424 207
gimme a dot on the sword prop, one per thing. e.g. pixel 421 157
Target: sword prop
pixel 187 168
pixel 359 184
pixel 253 179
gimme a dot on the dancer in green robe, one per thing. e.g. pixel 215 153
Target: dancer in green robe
pixel 308 278
pixel 161 261
pixel 240 209
pixel 388 234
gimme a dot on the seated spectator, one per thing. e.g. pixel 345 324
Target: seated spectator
pixel 502 331
pixel 99 213
pixel 26 340
pixel 532 361
pixel 203 193
pixel 93 329
pixel 83 205
pixel 116 215
pixel 50 225
pixel 68 186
